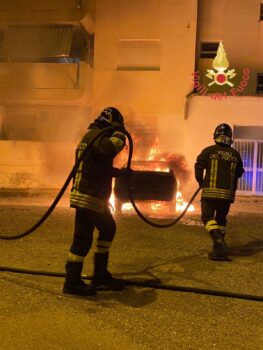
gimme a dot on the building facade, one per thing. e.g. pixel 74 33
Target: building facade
pixel 238 102
pixel 61 62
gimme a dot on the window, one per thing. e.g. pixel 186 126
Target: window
pixel 45 44
pixel 248 132
pixel 261 12
pixel 208 49
pixel 259 82
pixel 20 126
pixel 52 124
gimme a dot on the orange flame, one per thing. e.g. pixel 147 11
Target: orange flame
pixel 176 205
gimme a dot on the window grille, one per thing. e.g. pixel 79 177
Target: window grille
pixel 251 152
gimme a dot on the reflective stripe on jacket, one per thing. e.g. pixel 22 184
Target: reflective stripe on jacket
pixel 93 179
pixel 223 166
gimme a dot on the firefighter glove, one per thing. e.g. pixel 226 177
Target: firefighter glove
pixel 125 172
pixel 120 135
pixel 122 172
pixel 118 140
pixel 201 183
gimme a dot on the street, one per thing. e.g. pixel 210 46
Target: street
pixel 36 315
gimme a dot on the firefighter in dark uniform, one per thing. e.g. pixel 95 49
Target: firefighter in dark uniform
pixel 90 196
pixel 223 166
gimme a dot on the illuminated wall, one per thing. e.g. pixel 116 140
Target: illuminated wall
pixel 237 24
pixel 44 107
pixel 144 56
pixel 205 113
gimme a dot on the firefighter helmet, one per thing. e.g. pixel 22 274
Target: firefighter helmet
pixel 111 115
pixel 223 134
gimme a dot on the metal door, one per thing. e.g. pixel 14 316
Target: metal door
pixel 251 152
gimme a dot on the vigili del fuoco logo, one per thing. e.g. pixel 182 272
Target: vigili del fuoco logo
pixel 221 75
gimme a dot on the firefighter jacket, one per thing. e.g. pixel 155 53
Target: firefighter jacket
pixel 223 166
pixel 92 183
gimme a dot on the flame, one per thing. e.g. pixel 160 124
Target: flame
pixel 127 207
pixel 181 204
pixel 112 203
pixel 112 200
pixel 154 161
pixel 177 205
pixel 220 62
pixel 152 154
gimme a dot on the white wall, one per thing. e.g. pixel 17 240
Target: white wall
pixel 205 114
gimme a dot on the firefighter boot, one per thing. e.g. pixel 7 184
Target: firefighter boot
pixel 102 277
pixel 219 247
pixel 73 283
pixel 223 233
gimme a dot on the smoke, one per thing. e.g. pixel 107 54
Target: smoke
pixel 147 155
pixel 45 140
pixel 52 134
pixel 58 153
pixel 179 165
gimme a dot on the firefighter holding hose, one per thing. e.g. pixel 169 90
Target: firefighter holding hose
pixel 223 166
pixel 90 197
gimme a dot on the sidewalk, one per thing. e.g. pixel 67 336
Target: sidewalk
pixel 244 204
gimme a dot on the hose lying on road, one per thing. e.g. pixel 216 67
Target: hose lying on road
pixel 72 173
pixel 63 189
pixel 148 284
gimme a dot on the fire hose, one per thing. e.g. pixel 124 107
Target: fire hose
pixel 72 173
pixel 149 284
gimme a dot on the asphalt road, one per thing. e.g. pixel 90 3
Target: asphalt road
pixel 35 315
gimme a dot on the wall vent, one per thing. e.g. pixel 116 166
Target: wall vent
pixel 139 54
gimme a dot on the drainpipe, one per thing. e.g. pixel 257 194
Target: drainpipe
pixel 193 92
pixel 77 74
pixel 79 4
pixel 197 37
pixel 188 98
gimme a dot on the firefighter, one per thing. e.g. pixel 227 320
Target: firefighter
pixel 223 166
pixel 90 197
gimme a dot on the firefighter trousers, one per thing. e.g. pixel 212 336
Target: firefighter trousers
pixel 214 213
pixel 86 221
